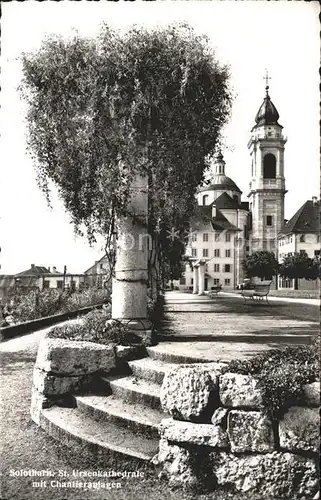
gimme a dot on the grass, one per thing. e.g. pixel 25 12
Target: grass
pixel 29 447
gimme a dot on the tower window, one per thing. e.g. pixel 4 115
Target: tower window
pixel 194 252
pixel 227 237
pixel 205 236
pixel 269 220
pixel 205 252
pixel 269 166
pixel 302 238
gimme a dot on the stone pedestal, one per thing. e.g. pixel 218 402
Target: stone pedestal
pixel 129 301
pixel 195 279
pixel 201 278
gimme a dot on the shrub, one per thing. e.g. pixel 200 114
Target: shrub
pixel 86 298
pixel 37 305
pixel 95 327
pixel 281 375
pixel 47 302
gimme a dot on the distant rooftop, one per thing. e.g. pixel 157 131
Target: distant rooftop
pixel 305 220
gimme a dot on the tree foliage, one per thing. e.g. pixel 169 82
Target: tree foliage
pixel 262 264
pixel 299 265
pixel 106 109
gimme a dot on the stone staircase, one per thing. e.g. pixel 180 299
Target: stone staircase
pixel 120 421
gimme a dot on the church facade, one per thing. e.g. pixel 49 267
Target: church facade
pixel 225 229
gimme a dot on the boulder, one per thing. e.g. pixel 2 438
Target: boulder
pixel 249 431
pixel 70 357
pixel 191 433
pixel 273 475
pixel 53 385
pixel 299 429
pixel 239 391
pixel 311 394
pixel 177 464
pixel 189 392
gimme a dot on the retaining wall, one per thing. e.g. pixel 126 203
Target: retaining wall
pixel 218 433
pixel 9 332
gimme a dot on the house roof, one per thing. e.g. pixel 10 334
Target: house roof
pixel 305 220
pixel 92 268
pixel 34 271
pixel 9 281
pixel 225 201
pixel 203 213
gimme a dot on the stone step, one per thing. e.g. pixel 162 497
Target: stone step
pixel 135 390
pixel 150 369
pixel 165 355
pixel 108 444
pixel 128 415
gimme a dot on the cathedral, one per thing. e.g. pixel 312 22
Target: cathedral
pixel 225 229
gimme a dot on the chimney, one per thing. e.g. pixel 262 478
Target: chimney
pixel 314 200
pixel 32 266
pixel 54 269
pixel 49 269
pixel 213 211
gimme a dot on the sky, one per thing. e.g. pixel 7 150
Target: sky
pixel 250 37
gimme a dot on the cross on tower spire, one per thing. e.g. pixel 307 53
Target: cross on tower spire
pixel 267 78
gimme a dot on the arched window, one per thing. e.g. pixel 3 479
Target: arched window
pixel 205 199
pixel 269 166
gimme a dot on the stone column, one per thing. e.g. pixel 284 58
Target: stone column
pixel 201 278
pixel 195 279
pixel 129 300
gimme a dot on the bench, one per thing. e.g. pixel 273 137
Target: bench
pixel 258 293
pixel 215 290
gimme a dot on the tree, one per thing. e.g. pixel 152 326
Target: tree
pixel 297 266
pixel 104 110
pixel 262 264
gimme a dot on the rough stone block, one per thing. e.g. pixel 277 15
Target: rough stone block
pixel 189 392
pixel 188 432
pixel 52 385
pixel 299 429
pixel 311 394
pixel 273 475
pixel 239 391
pixel 71 357
pixel 177 463
pixel 249 431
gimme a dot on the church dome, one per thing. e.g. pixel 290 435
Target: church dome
pixel 267 114
pixel 220 182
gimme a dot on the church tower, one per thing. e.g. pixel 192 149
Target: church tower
pixel 267 186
